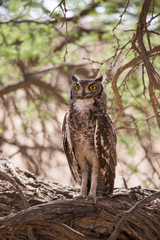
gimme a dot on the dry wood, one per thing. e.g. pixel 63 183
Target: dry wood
pixel 51 212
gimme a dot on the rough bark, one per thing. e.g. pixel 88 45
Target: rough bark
pixel 36 209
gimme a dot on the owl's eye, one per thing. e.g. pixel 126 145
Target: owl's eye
pixel 77 87
pixel 92 87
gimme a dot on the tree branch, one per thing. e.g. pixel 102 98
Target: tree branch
pixel 60 217
pixel 132 63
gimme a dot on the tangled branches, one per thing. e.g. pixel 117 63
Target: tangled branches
pixel 144 57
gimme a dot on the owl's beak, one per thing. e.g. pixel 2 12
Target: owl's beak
pixel 83 93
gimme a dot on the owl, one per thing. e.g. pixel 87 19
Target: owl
pixel 89 139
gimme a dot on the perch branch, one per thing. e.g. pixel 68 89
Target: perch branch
pixel 53 215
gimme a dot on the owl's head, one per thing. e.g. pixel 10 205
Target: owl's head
pixel 84 89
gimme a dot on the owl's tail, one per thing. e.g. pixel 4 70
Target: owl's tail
pixel 105 182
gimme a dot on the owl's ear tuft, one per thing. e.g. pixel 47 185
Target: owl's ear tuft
pixel 74 78
pixel 98 79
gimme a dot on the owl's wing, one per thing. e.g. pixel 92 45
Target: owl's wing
pixel 105 145
pixel 68 148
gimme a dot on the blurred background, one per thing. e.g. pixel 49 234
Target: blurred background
pixel 42 44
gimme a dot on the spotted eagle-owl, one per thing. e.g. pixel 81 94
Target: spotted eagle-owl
pixel 89 139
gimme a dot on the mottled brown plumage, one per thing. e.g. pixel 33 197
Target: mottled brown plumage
pixel 89 138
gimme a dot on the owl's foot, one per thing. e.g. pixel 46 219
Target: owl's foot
pixel 92 197
pixel 80 196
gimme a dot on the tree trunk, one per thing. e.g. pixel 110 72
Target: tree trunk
pixel 36 209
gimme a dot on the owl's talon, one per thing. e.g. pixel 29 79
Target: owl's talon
pixel 81 196
pixel 92 197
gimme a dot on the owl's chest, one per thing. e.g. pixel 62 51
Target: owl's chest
pixel 82 124
pixel 82 130
pixel 82 117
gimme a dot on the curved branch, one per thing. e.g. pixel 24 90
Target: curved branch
pixel 19 21
pixel 130 212
pixel 154 77
pixel 27 83
pixel 154 103
pixel 90 7
pixel 132 63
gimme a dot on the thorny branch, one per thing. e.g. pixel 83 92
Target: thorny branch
pixel 120 21
pixel 62 5
pixel 153 76
pixel 144 56
pixel 133 63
